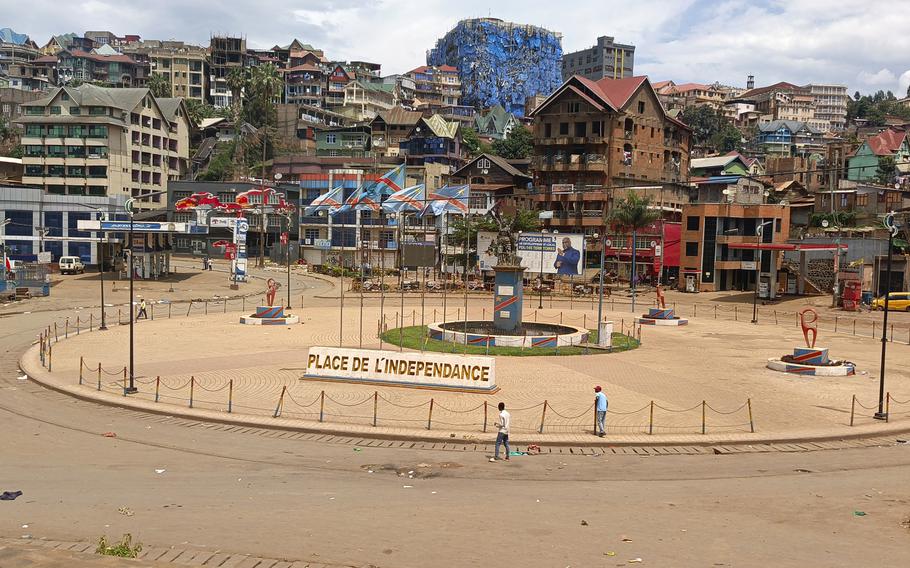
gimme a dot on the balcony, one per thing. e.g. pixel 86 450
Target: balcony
pixel 728 265
pixel 736 239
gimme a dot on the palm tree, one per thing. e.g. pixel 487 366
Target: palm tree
pixel 236 81
pixel 265 90
pixel 159 85
pixel 632 213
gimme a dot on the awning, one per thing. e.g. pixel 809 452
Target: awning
pixel 807 247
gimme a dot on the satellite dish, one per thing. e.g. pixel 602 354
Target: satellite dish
pixel 897 186
pixel 784 202
pixel 766 193
pixel 728 191
pixel 825 223
pixel 278 175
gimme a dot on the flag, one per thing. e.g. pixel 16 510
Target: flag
pixel 392 181
pixel 325 202
pixel 408 199
pixel 448 199
pixel 366 198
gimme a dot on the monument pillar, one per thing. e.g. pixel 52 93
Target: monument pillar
pixel 508 293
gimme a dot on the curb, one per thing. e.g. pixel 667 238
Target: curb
pixel 30 365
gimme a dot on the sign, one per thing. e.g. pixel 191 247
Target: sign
pixel 284 238
pixel 749 265
pixel 658 251
pixel 485 240
pixel 551 253
pixel 223 222
pixel 45 257
pixel 324 244
pixel 763 288
pixel 141 227
pixel 562 188
pixel 393 367
pixel 238 262
pixel 128 205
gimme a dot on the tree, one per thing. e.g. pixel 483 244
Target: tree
pixel 221 167
pixel 236 81
pixel 465 231
pixel 517 145
pixel 264 88
pixel 728 138
pixel 197 110
pixel 473 144
pixel 159 85
pixel 705 123
pixel 886 171
pixel 632 213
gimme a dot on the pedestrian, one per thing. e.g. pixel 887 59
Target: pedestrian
pixel 142 313
pixel 503 436
pixel 600 406
pixel 208 262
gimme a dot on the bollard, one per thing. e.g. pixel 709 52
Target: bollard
pixel 280 402
pixel 484 311
pixel 775 317
pixel 225 306
pixel 243 303
pixel 206 307
pixel 543 416
pixel 703 417
pixel 735 314
pixel 535 316
pixel 99 376
pixel 430 417
pixel 560 317
pixel 434 314
pixel 192 388
pixel 79 326
pixel 91 320
pixel 321 405
pixel 873 328
pixel 854 326
pixel 119 313
pixel 66 328
pixel 892 337
pixel 715 311
pixel 694 310
pixel 50 357
pixel 751 423
pixel 80 369
pixel 169 310
pixel 458 315
pixel 124 381
pixel 887 406
pixel 152 309
pixel 157 386
pixel 584 321
pixel 835 324
pixel 230 396
pixel 189 308
pixel 375 405
pixel 651 420
pixel 852 409
pixel 484 416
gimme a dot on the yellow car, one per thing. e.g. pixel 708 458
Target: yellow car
pixel 897 301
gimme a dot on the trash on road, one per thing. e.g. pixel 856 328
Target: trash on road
pixel 636 561
pixel 109 435
pixel 859 513
pixel 125 511
pixel 357 450
pixel 584 523
pixel 9 495
pixel 160 471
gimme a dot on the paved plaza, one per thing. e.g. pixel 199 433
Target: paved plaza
pixel 719 361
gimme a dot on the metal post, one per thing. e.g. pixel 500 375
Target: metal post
pixel 157 386
pixel 651 419
pixel 882 414
pixel 289 260
pixel 375 405
pixel 124 382
pixel 321 405
pixel 132 387
pixel 852 409
pixel 192 389
pixel 280 402
pixel 230 396
pixel 484 416
pixel 430 416
pixel 543 416
pixel 103 325
pixel 887 405
pixel 81 363
pixel 634 258
pixel 99 376
pixel 703 416
pixel 751 423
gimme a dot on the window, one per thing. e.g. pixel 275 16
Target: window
pixel 547 130
pixel 862 200
pixel 564 128
pixel 573 107
pixel 581 129
pixel 55 110
pixel 33 170
pixel 311 235
pixel 330 139
pixel 692 248
pixel 778 223
pixel 34 130
pixel 692 223
pixel 843 200
pixel 75 111
pixel 97 111
pixel 641 107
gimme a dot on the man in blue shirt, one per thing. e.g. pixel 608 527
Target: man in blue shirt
pixel 600 406
pixel 567 258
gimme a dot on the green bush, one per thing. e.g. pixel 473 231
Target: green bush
pixel 124 549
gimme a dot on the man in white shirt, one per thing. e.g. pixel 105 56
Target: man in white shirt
pixel 505 419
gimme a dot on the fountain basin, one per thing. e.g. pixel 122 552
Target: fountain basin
pixel 528 335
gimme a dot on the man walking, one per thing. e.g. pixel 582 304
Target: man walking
pixel 600 406
pixel 142 313
pixel 503 436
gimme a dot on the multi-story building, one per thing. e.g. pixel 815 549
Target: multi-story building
pixel 91 67
pixel 12 100
pixel 830 104
pixel 342 74
pixel 686 95
pixel 390 128
pixel 434 140
pixel 350 141
pixel 790 138
pixel 890 143
pixel 225 55
pixel 500 62
pixel 90 140
pixel 364 100
pixel 606 59
pixel 100 38
pixel 186 67
pixel 405 89
pixel 595 139
pixel 435 86
pixel 17 55
pixel 304 84
pixel 495 123
pixel 67 41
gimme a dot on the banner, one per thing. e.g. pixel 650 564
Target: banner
pixel 484 241
pixel 241 226
pixel 558 253
pixel 398 368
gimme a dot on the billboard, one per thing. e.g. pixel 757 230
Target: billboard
pixel 557 253
pixel 484 242
pixel 414 255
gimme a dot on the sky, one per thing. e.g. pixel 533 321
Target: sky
pixel 860 44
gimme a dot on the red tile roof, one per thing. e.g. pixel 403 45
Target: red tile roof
pixel 887 143
pixel 615 91
pixel 303 67
pixel 443 68
pixel 102 58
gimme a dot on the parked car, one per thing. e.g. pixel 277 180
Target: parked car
pixel 897 301
pixel 71 265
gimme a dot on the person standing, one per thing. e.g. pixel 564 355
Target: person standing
pixel 600 407
pixel 502 437
pixel 142 313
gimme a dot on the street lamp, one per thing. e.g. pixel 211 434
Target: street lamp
pixel 600 287
pixel 540 284
pixel 758 231
pixel 103 326
pixel 893 228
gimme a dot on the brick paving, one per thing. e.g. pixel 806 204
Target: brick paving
pixel 716 361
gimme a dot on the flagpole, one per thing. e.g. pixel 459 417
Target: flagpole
pixel 401 282
pixel 381 288
pixel 341 317
pixel 445 268
pixel 467 252
pixel 423 269
pixel 362 281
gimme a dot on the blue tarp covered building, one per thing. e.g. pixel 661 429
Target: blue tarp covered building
pixel 501 62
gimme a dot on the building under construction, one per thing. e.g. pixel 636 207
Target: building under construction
pixel 501 62
pixel 225 54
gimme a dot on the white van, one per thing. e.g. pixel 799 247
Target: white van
pixel 71 265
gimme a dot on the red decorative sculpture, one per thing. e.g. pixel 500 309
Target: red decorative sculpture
pixel 270 294
pixel 809 325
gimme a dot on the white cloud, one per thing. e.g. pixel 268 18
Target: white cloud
pixel 802 41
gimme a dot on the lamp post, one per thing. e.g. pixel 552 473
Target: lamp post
pixel 893 227
pixel 103 326
pixel 132 387
pixel 758 231
pixel 540 284
pixel 600 287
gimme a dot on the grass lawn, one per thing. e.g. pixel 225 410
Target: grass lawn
pixel 412 337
